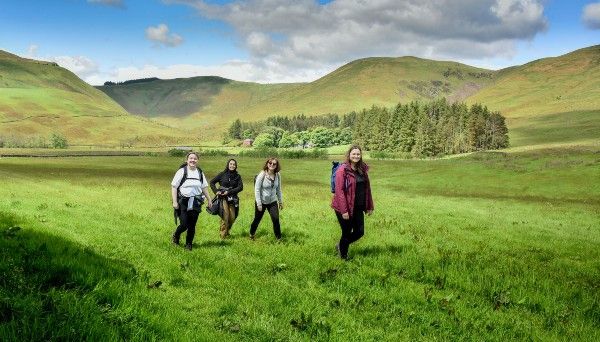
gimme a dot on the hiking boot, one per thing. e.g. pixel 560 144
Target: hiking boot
pixel 252 237
pixel 188 246
pixel 175 240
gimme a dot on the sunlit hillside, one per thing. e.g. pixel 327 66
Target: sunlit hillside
pixel 40 98
pixel 551 100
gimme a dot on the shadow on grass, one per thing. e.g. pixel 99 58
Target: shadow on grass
pixel 54 289
pixel 379 250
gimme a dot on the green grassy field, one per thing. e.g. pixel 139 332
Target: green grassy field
pixel 491 246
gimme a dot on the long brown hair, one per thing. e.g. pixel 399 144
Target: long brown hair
pixel 360 166
pixel 266 166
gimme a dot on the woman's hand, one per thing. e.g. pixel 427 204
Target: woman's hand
pixel 175 205
pixel 280 206
pixel 346 216
pixel 259 207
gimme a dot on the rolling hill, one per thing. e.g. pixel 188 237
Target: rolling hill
pixel 39 98
pixel 215 102
pixel 549 101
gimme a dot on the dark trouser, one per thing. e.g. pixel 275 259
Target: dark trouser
pixel 187 221
pixel 352 229
pixel 273 210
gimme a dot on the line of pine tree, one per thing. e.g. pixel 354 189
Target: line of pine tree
pixel 430 129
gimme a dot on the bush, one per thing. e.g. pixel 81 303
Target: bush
pixel 213 153
pixel 58 141
pixel 389 155
pixel 283 153
pixel 176 152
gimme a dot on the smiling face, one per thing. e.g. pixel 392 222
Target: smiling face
pixel 272 164
pixel 232 165
pixel 192 160
pixel 355 155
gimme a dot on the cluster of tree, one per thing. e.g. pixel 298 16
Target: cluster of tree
pixel 319 136
pixel 430 129
pixel 297 123
pixel 140 80
pixel 34 141
pixel 299 130
pixel 422 129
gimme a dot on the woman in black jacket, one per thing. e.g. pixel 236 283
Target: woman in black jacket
pixel 230 184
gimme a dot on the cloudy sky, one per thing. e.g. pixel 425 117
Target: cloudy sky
pixel 272 41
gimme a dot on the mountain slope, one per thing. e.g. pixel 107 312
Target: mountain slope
pixel 551 100
pixel 39 98
pixel 359 84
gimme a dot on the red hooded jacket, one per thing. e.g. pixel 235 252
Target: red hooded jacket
pixel 343 199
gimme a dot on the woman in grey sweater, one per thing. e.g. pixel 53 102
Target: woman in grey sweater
pixel 268 196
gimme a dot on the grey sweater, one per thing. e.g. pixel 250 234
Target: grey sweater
pixel 267 191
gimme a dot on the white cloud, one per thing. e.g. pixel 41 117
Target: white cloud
pixel 160 35
pixel 32 51
pixel 114 3
pixel 299 36
pixel 591 16
pixel 79 65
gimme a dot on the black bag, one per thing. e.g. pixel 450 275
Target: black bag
pixel 213 207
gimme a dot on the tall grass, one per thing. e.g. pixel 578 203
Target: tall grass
pixel 492 246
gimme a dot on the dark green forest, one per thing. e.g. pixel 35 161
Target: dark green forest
pixel 420 129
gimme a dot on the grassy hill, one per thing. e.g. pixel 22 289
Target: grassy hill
pixel 39 98
pixel 360 84
pixel 549 101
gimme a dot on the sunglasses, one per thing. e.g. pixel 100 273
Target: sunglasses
pixel 272 163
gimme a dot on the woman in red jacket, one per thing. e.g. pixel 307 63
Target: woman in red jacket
pixel 352 199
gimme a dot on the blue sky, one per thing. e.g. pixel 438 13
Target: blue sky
pixel 271 41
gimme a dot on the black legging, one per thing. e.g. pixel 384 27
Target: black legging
pixel 352 229
pixel 187 221
pixel 273 210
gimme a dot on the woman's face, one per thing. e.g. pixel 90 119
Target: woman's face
pixel 355 155
pixel 232 165
pixel 192 160
pixel 272 164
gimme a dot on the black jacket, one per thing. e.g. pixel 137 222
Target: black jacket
pixel 227 179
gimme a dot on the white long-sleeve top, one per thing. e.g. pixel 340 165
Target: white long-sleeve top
pixel 266 190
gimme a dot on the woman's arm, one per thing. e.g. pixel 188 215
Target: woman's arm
pixel 174 197
pixel 238 188
pixel 214 181
pixel 278 191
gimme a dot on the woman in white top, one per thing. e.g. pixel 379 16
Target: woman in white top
pixel 268 196
pixel 187 187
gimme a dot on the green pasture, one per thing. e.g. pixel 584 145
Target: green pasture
pixel 491 246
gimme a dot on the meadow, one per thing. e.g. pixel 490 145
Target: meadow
pixel 490 246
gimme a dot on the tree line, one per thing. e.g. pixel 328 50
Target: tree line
pixel 422 129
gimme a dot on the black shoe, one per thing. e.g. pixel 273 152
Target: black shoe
pixel 188 246
pixel 175 240
pixel 337 248
pixel 252 237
